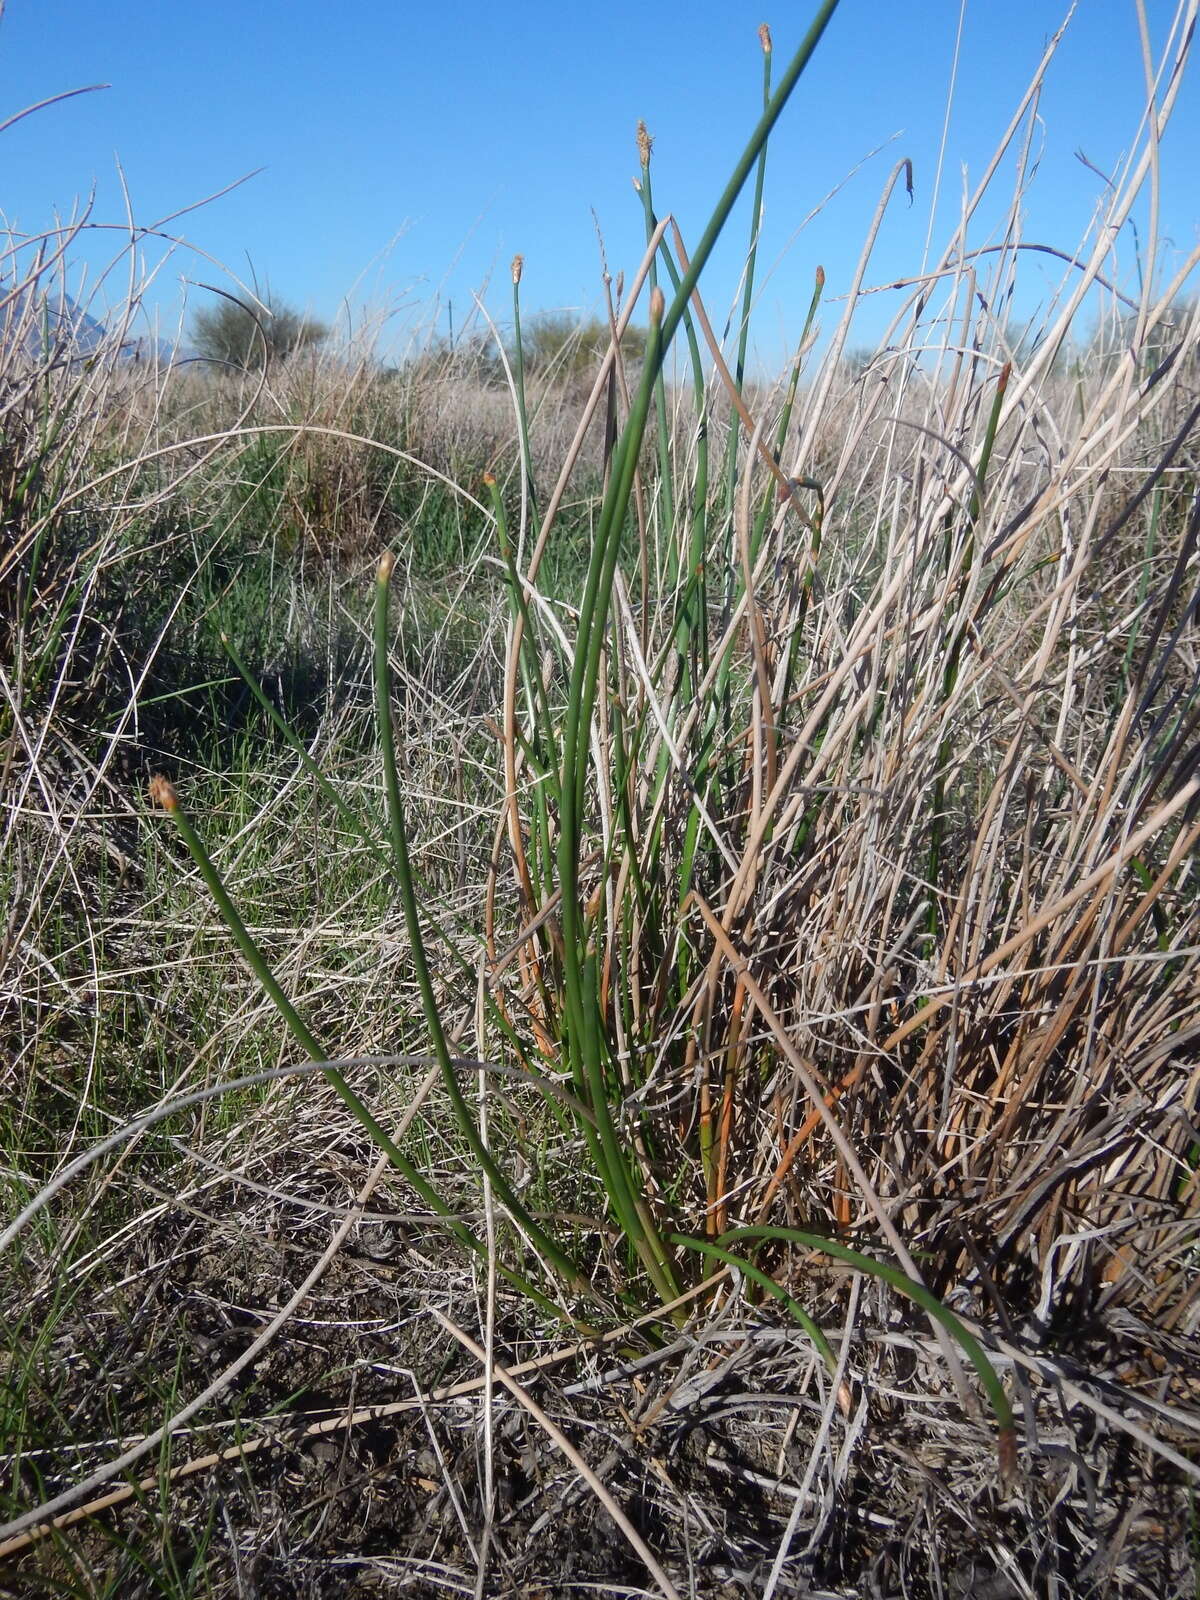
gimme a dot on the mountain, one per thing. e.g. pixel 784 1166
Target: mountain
pixel 49 327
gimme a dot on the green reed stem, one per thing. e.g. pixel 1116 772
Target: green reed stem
pixel 585 1038
pixel 584 1023
pixel 748 288
pixel 535 689
pixel 764 1281
pixel 164 794
pixel 686 576
pixel 742 170
pixel 519 381
pixel 433 1021
pixel 360 829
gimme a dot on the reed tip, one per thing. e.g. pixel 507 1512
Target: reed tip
pixel 764 38
pixel 387 562
pixel 644 143
pixel 518 266
pixel 657 305
pixel 162 793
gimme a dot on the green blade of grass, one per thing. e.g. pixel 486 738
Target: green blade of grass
pixel 893 1276
pixel 163 794
pixel 765 1281
pixel 566 1268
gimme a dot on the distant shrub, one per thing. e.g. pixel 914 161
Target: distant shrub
pixel 562 345
pixel 237 335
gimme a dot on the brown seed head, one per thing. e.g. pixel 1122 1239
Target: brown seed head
pixel 387 562
pixel 489 480
pixel 518 266
pixel 820 277
pixel 764 38
pixel 162 793
pixel 658 305
pixel 644 143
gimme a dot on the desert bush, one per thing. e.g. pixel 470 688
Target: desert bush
pixel 239 334
pixel 569 348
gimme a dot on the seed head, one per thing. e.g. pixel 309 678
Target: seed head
pixel 657 305
pixel 518 266
pixel 764 38
pixel 387 562
pixel 644 143
pixel 162 793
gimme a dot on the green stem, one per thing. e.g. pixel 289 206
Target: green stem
pixel 519 381
pixel 969 1344
pixel 748 289
pixel 581 1007
pixel 534 687
pixel 584 1037
pixel 299 1029
pixel 764 1281
pixel 503 1189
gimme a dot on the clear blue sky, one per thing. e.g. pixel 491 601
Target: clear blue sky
pixel 411 149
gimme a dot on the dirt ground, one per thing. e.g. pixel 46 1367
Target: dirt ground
pixel 341 1467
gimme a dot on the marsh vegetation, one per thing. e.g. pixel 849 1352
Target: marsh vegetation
pixel 589 869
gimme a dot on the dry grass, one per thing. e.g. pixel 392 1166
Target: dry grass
pixel 874 866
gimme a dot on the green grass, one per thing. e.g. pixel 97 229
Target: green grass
pixel 581 1023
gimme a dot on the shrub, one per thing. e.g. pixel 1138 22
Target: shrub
pixel 238 335
pixel 564 346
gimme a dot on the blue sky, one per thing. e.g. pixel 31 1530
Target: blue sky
pixel 410 150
